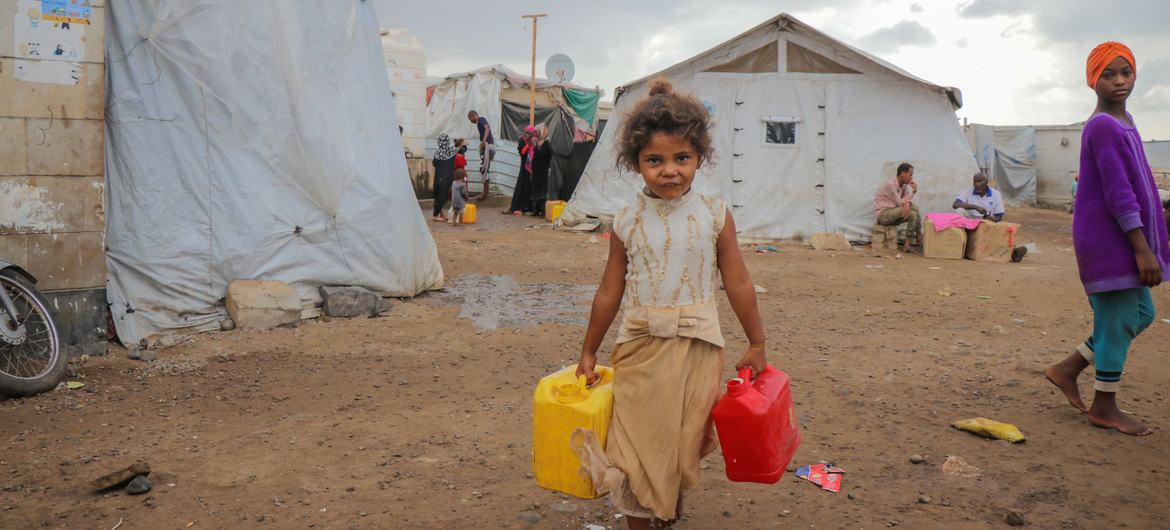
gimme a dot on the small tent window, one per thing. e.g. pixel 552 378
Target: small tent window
pixel 779 132
pixel 801 59
pixel 759 61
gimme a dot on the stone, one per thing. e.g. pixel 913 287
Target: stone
pixel 352 301
pixel 529 517
pixel 262 304
pixel 564 507
pixel 834 241
pixel 924 499
pixel 120 477
pixel 148 356
pixel 139 485
pixel 916 459
pixel 1013 518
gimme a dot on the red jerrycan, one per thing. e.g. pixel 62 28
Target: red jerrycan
pixel 757 426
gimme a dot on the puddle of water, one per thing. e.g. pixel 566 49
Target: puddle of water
pixel 494 302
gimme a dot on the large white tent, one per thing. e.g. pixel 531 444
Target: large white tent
pixel 805 128
pixel 502 96
pixel 251 140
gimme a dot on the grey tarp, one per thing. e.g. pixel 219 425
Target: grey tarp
pixel 251 140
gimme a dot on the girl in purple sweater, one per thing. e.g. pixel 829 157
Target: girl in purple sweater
pixel 1119 234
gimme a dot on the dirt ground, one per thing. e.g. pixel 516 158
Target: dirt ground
pixel 421 419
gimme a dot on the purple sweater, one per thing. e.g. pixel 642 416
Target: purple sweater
pixel 1116 194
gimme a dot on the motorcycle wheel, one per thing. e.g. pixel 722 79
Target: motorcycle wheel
pixel 30 353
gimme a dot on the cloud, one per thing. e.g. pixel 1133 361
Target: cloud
pixel 915 8
pixel 891 38
pixel 991 8
pixel 960 42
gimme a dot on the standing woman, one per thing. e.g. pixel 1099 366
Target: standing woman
pixel 520 203
pixel 444 163
pixel 1119 234
pixel 541 161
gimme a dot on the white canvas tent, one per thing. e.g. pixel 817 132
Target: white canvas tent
pixel 805 128
pixel 251 140
pixel 491 91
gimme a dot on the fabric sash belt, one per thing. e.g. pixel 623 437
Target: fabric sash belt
pixel 699 321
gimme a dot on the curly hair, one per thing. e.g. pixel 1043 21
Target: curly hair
pixel 664 111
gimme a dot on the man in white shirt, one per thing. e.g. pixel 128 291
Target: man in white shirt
pixel 980 201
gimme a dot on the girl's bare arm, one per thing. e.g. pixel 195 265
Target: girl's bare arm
pixel 741 292
pixel 606 303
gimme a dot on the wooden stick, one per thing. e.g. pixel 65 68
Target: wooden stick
pixel 117 525
pixel 532 81
pixel 201 505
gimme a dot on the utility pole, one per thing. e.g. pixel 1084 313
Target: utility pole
pixel 532 82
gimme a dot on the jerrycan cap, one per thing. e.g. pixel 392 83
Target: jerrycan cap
pixel 738 385
pixel 573 392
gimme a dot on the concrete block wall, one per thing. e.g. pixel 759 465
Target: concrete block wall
pixel 52 111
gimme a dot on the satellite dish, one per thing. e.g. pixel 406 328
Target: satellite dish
pixel 559 68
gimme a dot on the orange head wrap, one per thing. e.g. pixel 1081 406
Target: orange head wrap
pixel 1100 58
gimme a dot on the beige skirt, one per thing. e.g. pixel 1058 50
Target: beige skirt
pixel 664 390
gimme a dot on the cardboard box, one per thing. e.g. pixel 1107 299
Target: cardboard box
pixel 950 243
pixel 992 242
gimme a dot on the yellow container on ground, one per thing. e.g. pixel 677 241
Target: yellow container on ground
pixel 553 209
pixel 561 405
pixel 950 243
pixel 469 213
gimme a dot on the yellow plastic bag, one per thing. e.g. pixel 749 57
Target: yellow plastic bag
pixel 990 429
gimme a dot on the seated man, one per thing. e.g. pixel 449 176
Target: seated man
pixel 893 204
pixel 980 201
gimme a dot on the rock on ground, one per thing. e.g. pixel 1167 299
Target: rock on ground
pixel 351 301
pixel 120 477
pixel 262 304
pixel 835 241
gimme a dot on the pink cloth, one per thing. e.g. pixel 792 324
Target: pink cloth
pixel 891 195
pixel 943 221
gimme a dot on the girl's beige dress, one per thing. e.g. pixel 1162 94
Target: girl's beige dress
pixel 668 359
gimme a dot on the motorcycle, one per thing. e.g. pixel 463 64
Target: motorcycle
pixel 31 361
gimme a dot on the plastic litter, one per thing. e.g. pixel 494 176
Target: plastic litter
pixel 827 476
pixel 990 429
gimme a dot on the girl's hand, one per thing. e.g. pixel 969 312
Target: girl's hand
pixel 753 357
pixel 585 368
pixel 1149 270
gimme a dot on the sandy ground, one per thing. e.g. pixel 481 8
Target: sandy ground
pixel 420 419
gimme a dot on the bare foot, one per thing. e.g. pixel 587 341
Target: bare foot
pixel 1067 383
pixel 1120 421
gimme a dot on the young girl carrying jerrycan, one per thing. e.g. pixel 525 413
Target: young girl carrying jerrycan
pixel 666 253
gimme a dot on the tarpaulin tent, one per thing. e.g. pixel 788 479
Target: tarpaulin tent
pixel 502 96
pixel 251 140
pixel 1008 155
pixel 805 128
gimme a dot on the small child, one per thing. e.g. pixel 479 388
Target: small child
pixel 667 250
pixel 459 196
pixel 1119 234
pixel 460 153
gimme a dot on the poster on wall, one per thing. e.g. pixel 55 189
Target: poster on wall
pixel 52 30
pixel 66 12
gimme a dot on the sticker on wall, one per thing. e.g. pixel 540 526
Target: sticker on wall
pixel 50 72
pixel 51 29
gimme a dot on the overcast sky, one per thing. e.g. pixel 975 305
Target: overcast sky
pixel 1016 61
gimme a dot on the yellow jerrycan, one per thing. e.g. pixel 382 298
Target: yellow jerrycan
pixel 561 405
